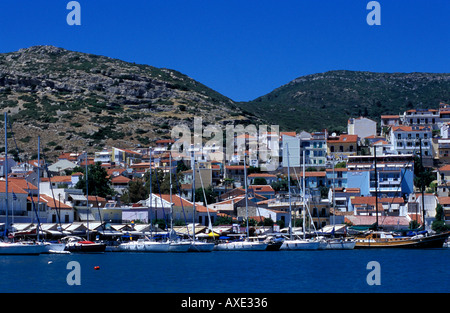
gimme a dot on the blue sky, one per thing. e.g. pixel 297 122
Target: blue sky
pixel 242 49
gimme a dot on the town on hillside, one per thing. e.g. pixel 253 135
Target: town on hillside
pixel 405 160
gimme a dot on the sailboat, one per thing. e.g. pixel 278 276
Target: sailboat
pixel 336 243
pixel 175 245
pixel 146 244
pixel 76 244
pixel 7 246
pixel 382 239
pixel 196 245
pixel 293 243
pixel 248 244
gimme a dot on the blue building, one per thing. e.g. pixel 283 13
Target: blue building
pixel 395 175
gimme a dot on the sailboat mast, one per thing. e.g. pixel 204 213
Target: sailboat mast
pixel 193 192
pixel 376 187
pixel 423 186
pixel 6 174
pixel 87 196
pixel 289 191
pixel 38 185
pixel 246 193
pixel 170 179
pixel 304 198
pixel 150 191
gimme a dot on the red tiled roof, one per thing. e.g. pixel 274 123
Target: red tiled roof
pixel 178 201
pixel 444 200
pixel 343 139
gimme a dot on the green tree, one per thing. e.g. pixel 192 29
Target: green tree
pixel 438 224
pixel 259 181
pixel 99 184
pixel 136 191
pixel 423 176
pixel 210 195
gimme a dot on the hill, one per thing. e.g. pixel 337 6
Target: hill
pixel 79 101
pixel 327 100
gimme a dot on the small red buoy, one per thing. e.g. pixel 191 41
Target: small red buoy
pixel 96 267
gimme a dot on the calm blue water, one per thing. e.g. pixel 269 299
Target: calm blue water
pixel 402 271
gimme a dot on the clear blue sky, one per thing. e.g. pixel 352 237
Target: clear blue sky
pixel 246 48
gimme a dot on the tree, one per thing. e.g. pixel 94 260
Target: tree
pixel 98 181
pixel 259 181
pixel 161 182
pixel 439 223
pixel 210 195
pixel 423 176
pixel 136 191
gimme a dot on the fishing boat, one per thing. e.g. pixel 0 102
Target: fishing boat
pixel 298 243
pixel 247 244
pixel 78 244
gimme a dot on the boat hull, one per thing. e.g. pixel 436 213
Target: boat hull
pixel 51 247
pixel 433 241
pixel 86 247
pixel 337 245
pixel 241 246
pixel 21 249
pixel 197 246
pixel 179 246
pixel 300 245
pixel 146 246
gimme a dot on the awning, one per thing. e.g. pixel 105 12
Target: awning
pixel 78 197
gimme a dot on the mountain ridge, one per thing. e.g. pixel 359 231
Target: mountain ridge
pixel 78 101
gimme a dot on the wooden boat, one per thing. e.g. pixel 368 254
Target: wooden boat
pixel 381 239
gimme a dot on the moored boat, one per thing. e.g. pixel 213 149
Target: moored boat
pixel 300 244
pixel 337 244
pixel 179 246
pixel 144 245
pixel 381 239
pixel 242 245
pixel 21 248
pixel 200 246
pixel 77 244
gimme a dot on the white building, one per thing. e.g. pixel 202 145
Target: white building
pixel 406 140
pixel 361 126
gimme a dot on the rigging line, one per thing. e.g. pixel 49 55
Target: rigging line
pixel 160 196
pixel 204 196
pixel 28 186
pixel 182 207
pixel 304 202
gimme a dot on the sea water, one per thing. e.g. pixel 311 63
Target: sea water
pixel 324 271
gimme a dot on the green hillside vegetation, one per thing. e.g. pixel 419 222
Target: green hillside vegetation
pixel 327 100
